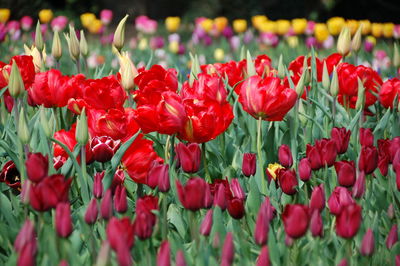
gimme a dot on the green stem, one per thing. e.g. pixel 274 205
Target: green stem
pixel 164 226
pixel 204 158
pixel 84 188
pixel 260 157
pixel 166 149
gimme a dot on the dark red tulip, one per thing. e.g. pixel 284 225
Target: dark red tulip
pixel 124 256
pixel 92 212
pixel 206 225
pixel 37 166
pixel 119 178
pixel 397 260
pixel 189 157
pixel 228 250
pixel 393 237
pixel 368 159
pixel 195 194
pixel 322 153
pixel 316 224
pixel 394 147
pixel 120 199
pixel 269 209
pixel 346 173
pixel 235 208
pixel 98 185
pixel 249 164
pixel 180 259
pixel 383 164
pixel 104 148
pixel 236 189
pixel 25 236
pixel 368 243
pixel 295 219
pixel 305 169
pixel 359 187
pixel 262 226
pixel 317 201
pixel 339 198
pixel 120 233
pixel 145 219
pixel 366 137
pixel 398 179
pixel 313 157
pixel 343 262
pixel 287 181
pixel 263 258
pixel 285 156
pixel 163 255
pixel 341 137
pixel 159 177
pixel 63 219
pixel 348 221
pixel 26 257
pixel 10 175
pixel 106 205
pixel 396 161
pixel 219 197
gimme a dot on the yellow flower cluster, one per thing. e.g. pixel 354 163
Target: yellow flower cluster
pixel 91 22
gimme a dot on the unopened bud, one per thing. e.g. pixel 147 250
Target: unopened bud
pixel 360 94
pixel 344 42
pixel 73 43
pixel 23 130
pixel 300 84
pixel 251 70
pixel 119 35
pixel 38 37
pixel 396 56
pixel 45 123
pixel 281 68
pixel 83 44
pixel 15 83
pixel 356 42
pixel 127 71
pixel 82 135
pixel 325 78
pixel 195 69
pixel 56 48
pixel 334 89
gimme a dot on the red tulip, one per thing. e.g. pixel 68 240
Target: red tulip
pixel 359 187
pixel 317 201
pixel 10 175
pixel 25 66
pixel 228 250
pixel 37 166
pixel 262 226
pixel 322 153
pixel 163 255
pixel 92 212
pixel 348 221
pixel 236 189
pixel 287 181
pixel 368 243
pixel 189 157
pixel 393 237
pixel 397 260
pixel 120 199
pixel 104 148
pixel 26 236
pixel 383 164
pixel 263 258
pixel 368 159
pixel 63 219
pixel 159 176
pixel 366 137
pixel 120 233
pixel 316 224
pixel 49 192
pixel 27 255
pixel 249 164
pixel 219 197
pixel 343 262
pixel 206 225
pixel 98 185
pixel 388 92
pixel 285 156
pixel 266 98
pixel 106 205
pixel 341 137
pixel 346 173
pixel 295 219
pixel 180 258
pixel 305 169
pixel 205 87
pixel 339 198
pixel 119 179
pixel 236 208
pixel 145 219
pixel 195 194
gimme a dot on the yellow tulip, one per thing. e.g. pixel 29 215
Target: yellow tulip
pixel 366 26
pixel 272 169
pixel 371 39
pixel 219 54
pixel 172 23
pixel 45 15
pixel 321 32
pixel 388 29
pixel 87 19
pixel 173 47
pixel 95 26
pixel 4 15
pixel 240 25
pixel 283 26
pixel 293 41
pixel 352 25
pixel 268 26
pixel 220 23
pixel 335 25
pixel 376 29
pixel 258 20
pixel 143 44
pixel 207 24
pixel 299 25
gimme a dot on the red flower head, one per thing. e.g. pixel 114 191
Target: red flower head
pixel 388 92
pixel 120 233
pixel 317 201
pixel 145 219
pixel 348 221
pixel 103 148
pixel 346 173
pixel 266 98
pixel 25 66
pixel 249 164
pixel 322 153
pixel 341 137
pixel 205 87
pixel 263 65
pixel 368 161
pixel 111 123
pixel 138 159
pixel 195 194
pixel 348 84
pixel 287 181
pixel 295 219
pixel 339 198
pixel 233 71
pixel 189 157
pixel 285 156
pixel 63 219
pixel 10 175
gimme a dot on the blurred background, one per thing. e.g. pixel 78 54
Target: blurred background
pixel 319 10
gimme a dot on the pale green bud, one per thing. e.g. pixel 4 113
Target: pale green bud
pixel 119 35
pixel 326 82
pixel 83 44
pixel 360 94
pixel 16 85
pixel 344 41
pixel 334 89
pixel 251 70
pixel 38 37
pixel 56 48
pixel 23 130
pixel 281 68
pixel 82 134
pixel 356 42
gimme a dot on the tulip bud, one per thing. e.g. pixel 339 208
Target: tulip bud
pixel 317 201
pixel 228 250
pixel 346 173
pixel 236 189
pixel 396 56
pixel 38 37
pixel 120 200
pixel 303 119
pixel 334 89
pixel 285 156
pixel 119 35
pixel 189 157
pixel 73 44
pixel 104 253
pixel 397 260
pixel 344 41
pixel 368 243
pixel 91 212
pixel 56 48
pixel 127 71
pixel 163 255
pixel 287 181
pixel 82 134
pixel 83 46
pixel 263 258
pixel 343 262
pixel 316 224
pixel 356 42
pixel 15 83
pixel 251 70
pixel 98 185
pixel 45 123
pixel 106 206
pixel 326 82
pixel 360 94
pixel 159 176
pixel 249 164
pixel 63 219
pixel 393 237
pixel 27 255
pixel 25 236
pixel 295 220
pixel 281 68
pixel 368 160
pixel 348 221
pixel 23 130
pixel 235 208
pixel 366 137
pixel 207 223
pixel 219 198
pixel 262 227
pixel 36 166
pixel 180 258
pixel 194 70
pixel 300 84
pixel 305 169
